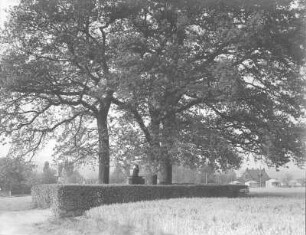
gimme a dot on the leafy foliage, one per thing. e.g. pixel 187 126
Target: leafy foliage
pixel 205 81
pixel 118 176
pixel 56 76
pixel 286 179
pixel 14 172
pixel 202 175
pixel 235 72
pixel 48 175
pixel 68 174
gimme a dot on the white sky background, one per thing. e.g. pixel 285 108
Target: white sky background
pixel 4 5
pixel 45 155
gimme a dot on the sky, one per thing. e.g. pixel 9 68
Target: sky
pixel 45 154
pixel 4 5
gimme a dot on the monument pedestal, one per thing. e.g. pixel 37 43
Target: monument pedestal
pixel 136 180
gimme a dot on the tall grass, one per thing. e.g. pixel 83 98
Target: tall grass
pixel 280 212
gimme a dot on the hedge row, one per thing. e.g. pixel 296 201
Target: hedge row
pixel 73 200
pixel 20 189
pixel 44 195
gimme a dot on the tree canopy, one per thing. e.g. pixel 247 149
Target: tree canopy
pixel 228 76
pixel 56 77
pixel 205 81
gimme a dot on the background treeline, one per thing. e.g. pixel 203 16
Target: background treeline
pixel 18 176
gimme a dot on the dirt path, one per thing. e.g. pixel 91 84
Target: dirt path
pixel 17 217
pixel 22 222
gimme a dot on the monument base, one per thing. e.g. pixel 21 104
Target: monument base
pixel 136 180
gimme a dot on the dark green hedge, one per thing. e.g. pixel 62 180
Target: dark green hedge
pixel 20 189
pixel 73 200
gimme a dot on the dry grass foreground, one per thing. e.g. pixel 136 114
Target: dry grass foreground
pixel 266 211
pixel 18 218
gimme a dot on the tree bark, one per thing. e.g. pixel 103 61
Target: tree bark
pixel 165 170
pixel 167 142
pixel 154 154
pixel 104 158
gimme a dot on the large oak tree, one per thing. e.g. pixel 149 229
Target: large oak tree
pixel 215 77
pixel 57 77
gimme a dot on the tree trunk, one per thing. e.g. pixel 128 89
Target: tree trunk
pixel 155 152
pixel 104 158
pixel 168 138
pixel 165 171
pixel 162 139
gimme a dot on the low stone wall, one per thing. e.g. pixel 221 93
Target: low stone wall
pixel 73 200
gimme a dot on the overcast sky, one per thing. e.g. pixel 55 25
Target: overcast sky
pixel 4 5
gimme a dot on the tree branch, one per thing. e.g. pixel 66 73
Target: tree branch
pixel 136 115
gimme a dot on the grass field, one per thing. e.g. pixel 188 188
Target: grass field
pixel 276 211
pixel 15 203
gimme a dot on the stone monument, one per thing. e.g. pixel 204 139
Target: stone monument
pixel 135 178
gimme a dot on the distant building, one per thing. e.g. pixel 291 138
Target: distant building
pixel 254 177
pixel 272 183
pixel 252 184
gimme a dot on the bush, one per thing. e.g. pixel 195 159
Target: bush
pixel 43 195
pixel 117 176
pixel 73 177
pixel 20 189
pixel 73 200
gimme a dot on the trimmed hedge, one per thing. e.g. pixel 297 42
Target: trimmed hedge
pixel 43 195
pixel 73 200
pixel 20 189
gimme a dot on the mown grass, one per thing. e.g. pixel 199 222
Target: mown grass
pixel 277 211
pixel 15 203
